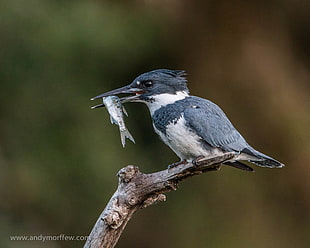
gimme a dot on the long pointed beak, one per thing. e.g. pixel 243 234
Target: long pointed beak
pixel 123 90
pixel 98 106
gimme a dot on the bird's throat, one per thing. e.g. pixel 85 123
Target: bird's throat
pixel 161 100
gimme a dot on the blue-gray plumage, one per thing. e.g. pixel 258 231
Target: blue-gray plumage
pixel 191 126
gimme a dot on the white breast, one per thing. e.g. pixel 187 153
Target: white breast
pixel 184 142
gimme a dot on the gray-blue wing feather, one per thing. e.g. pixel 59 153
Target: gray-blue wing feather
pixel 211 123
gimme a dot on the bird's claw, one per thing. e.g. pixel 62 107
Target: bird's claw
pixel 198 161
pixel 176 164
pixel 201 160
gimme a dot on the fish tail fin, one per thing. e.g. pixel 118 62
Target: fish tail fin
pixel 126 134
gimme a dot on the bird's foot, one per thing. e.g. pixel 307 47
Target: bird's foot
pixel 176 164
pixel 201 160
pixel 198 161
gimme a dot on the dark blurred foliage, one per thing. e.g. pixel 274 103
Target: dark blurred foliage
pixel 59 159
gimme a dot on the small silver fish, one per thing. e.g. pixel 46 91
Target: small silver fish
pixel 117 111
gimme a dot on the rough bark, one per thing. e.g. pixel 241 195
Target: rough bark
pixel 137 190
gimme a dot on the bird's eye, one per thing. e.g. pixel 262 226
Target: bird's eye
pixel 148 84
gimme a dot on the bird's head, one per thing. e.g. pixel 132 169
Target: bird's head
pixel 149 86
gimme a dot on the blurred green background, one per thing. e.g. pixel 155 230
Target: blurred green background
pixel 59 159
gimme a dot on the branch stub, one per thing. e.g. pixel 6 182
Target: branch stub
pixel 127 173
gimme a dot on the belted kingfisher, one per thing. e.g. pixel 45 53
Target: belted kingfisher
pixel 191 126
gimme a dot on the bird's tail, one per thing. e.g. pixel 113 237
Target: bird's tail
pixel 239 165
pixel 262 159
pixel 126 134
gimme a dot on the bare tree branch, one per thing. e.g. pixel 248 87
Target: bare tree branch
pixel 137 190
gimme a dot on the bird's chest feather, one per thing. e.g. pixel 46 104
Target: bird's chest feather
pixel 179 137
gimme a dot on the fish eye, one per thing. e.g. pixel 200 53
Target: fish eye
pixel 148 84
